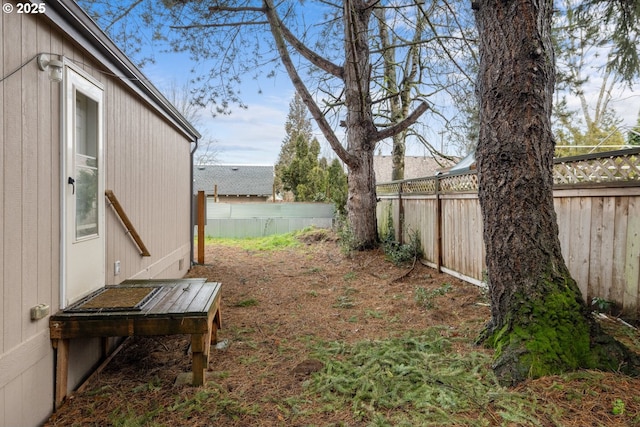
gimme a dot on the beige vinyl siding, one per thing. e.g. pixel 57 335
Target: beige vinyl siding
pixel 155 198
pixel 147 165
pixel 29 261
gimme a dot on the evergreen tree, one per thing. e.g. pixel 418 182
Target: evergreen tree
pixel 311 179
pixel 297 124
pixel 337 186
pixel 593 127
pixel 540 323
pixel 634 134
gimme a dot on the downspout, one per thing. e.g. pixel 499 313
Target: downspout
pixel 191 210
pixel 62 188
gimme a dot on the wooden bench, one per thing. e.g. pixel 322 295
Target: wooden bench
pixel 183 306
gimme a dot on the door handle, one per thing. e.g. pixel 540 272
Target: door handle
pixel 72 182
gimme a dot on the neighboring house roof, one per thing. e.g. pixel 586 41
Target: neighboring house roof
pixel 414 167
pixel 234 180
pixel 466 164
pixel 74 21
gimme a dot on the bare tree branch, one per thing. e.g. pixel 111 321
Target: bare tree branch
pixel 403 125
pixel 316 113
pixel 124 13
pixel 311 56
pixel 226 24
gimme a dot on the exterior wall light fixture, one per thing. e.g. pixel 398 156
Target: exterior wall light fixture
pixel 54 67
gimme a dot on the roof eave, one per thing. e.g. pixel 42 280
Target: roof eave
pixel 73 20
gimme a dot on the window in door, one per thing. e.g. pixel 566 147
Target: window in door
pixel 86 167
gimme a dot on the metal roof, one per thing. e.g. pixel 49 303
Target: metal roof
pixel 234 180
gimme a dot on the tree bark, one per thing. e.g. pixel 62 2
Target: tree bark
pixel 540 323
pixel 362 134
pixel 361 131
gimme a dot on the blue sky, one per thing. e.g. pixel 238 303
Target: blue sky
pixel 254 136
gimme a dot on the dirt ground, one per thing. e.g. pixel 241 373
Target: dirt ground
pixel 274 303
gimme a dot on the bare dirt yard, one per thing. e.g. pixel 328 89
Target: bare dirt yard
pixel 315 337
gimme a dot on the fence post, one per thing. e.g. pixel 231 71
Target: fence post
pixel 400 214
pixel 201 221
pixel 438 225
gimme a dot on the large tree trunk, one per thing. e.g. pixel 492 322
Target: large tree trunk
pixel 362 134
pixel 540 324
pixel 361 131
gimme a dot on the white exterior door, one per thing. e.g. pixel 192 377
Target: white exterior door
pixel 83 180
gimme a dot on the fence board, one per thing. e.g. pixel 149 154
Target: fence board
pixel 632 260
pixel 598 223
pixel 619 250
pixel 579 241
pixel 606 249
pixel 595 279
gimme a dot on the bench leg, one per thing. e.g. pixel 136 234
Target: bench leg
pixel 200 355
pixel 62 367
pixel 217 324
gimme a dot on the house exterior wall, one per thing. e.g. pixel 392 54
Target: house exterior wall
pixel 148 168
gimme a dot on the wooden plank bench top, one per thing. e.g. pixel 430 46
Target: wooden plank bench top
pixel 179 306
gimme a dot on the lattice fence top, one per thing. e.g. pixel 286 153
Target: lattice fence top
pixel 459 183
pixel 421 185
pixel 388 188
pixel 619 167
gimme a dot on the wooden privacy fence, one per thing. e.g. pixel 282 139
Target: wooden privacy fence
pixel 597 202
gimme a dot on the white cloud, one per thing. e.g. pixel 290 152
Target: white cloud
pixel 251 136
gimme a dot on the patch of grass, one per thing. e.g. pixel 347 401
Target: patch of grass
pixel 425 298
pixel 249 302
pixel 350 276
pixel 248 360
pixel 344 301
pixel 418 380
pixel 273 242
pixel 127 417
pixel 374 314
pixel 216 403
pixel 153 385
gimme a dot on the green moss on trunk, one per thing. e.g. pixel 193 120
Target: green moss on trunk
pixel 546 334
pixel 552 332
